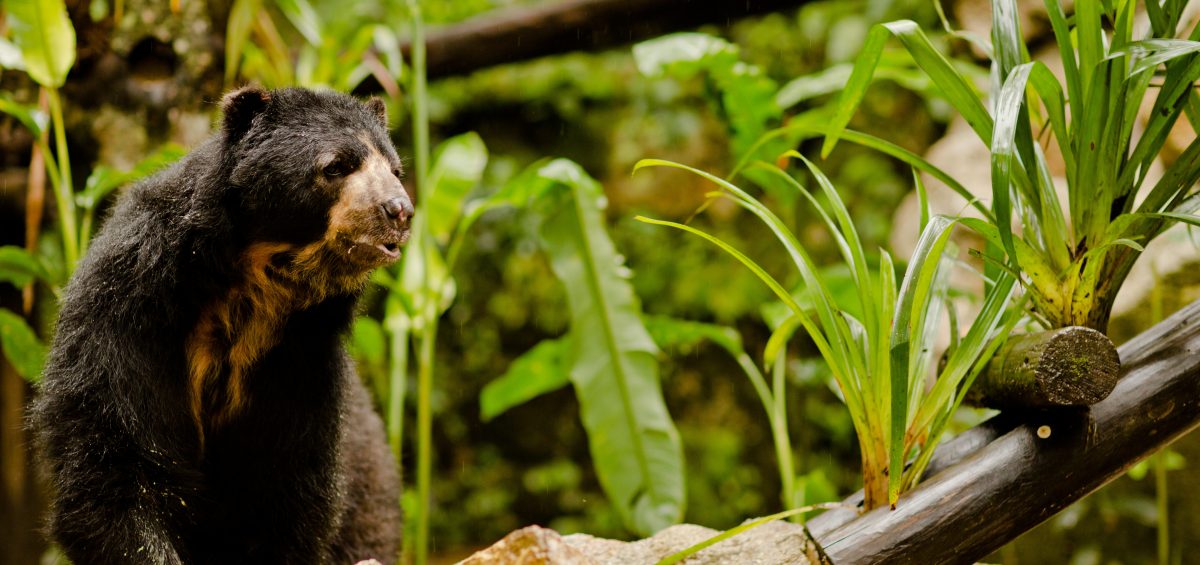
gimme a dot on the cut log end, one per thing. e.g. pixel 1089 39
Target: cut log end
pixel 1072 366
pixel 1079 366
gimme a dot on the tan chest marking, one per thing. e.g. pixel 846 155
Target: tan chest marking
pixel 232 334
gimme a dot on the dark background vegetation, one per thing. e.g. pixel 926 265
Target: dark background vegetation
pixel 138 85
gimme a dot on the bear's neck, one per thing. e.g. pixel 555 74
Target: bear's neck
pixel 235 330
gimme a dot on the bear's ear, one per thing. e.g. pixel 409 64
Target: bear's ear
pixel 241 106
pixel 377 107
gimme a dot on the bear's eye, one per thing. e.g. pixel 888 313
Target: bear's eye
pixel 337 168
pixel 397 173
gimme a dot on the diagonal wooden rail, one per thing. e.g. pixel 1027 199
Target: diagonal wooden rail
pixel 1002 478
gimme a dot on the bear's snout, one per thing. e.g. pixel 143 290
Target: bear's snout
pixel 398 211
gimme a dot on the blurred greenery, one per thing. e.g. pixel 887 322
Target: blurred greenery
pixel 526 460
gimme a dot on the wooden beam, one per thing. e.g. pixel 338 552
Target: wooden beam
pixel 1008 475
pixel 518 34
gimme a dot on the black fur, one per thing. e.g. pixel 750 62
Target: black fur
pixel 301 474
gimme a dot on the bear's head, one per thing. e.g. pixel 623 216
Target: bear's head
pixel 314 184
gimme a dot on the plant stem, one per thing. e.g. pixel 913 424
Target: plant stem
pixel 1159 461
pixel 419 96
pixel 63 191
pixel 779 423
pixel 779 433
pixel 424 434
pixel 397 385
pixel 398 331
pixel 428 331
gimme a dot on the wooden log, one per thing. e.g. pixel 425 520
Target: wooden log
pixel 988 496
pixel 1072 366
pixel 518 34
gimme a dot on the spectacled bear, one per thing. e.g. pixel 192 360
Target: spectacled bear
pixel 198 405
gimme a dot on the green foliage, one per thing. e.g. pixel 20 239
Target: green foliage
pixel 21 346
pixel 18 267
pixel 1072 269
pixel 328 51
pixel 33 120
pixel 881 360
pixel 682 333
pixel 539 371
pixel 634 444
pixel 104 180
pixel 45 37
pixel 44 47
pixel 457 168
pixel 747 95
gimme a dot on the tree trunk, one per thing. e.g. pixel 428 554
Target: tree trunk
pixel 519 34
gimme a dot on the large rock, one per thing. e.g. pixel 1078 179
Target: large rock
pixel 771 543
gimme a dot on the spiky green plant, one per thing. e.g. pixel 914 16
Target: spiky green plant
pixel 880 362
pixel 1072 263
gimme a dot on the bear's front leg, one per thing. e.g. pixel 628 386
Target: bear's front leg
pixel 115 502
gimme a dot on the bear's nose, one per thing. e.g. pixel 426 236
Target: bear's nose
pixel 398 209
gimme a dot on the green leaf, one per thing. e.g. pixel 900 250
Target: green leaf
pixel 1005 161
pixel 538 371
pixel 956 88
pixel 458 166
pixel 674 333
pixel 1008 48
pixel 368 342
pixel 104 180
pixel 33 119
pixel 833 80
pixel 425 284
pixel 303 17
pixel 915 320
pixel 43 32
pixel 614 366
pixel 1090 36
pixel 806 129
pixel 21 346
pixel 237 31
pixel 682 54
pixel 1066 51
pixel 747 95
pixel 10 56
pixel 780 337
pixel 19 267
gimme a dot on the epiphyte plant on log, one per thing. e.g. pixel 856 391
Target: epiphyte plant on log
pixel 1072 264
pixel 881 361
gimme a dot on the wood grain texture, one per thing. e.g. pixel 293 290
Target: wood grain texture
pixel 1071 366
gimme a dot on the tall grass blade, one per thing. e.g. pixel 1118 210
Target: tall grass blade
pixel 957 90
pixel 910 336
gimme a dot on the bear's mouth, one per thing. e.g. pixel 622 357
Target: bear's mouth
pixel 389 246
pixel 391 249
